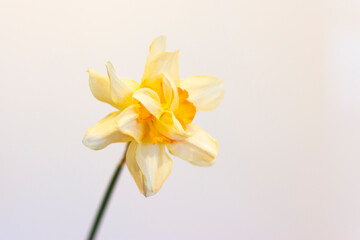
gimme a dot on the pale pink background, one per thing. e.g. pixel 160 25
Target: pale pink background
pixel 288 128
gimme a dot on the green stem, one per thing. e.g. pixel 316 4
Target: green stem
pixel 106 198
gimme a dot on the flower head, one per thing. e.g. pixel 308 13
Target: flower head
pixel 155 114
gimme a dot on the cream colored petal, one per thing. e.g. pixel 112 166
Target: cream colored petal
pixel 104 133
pixel 155 164
pixel 128 124
pixel 170 127
pixel 122 89
pixel 170 93
pixel 100 87
pixel 157 47
pixel 199 149
pixel 134 169
pixel 166 63
pixel 205 92
pixel 150 100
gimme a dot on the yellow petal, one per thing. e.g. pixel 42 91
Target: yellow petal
pixel 155 164
pixel 100 87
pixel 134 168
pixel 128 124
pixel 166 63
pixel 150 100
pixel 205 92
pixel 122 89
pixel 199 149
pixel 104 133
pixel 170 127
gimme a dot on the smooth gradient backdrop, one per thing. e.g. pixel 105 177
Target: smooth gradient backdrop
pixel 288 127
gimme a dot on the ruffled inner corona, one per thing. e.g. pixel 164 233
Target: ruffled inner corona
pixel 184 112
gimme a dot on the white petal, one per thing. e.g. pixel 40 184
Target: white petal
pixel 166 63
pixel 128 124
pixel 100 87
pixel 170 127
pixel 205 92
pixel 199 149
pixel 104 133
pixel 150 100
pixel 122 89
pixel 155 164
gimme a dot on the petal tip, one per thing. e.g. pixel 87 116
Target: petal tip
pixel 176 53
pixel 148 194
pixel 162 37
pixel 87 142
pixel 108 62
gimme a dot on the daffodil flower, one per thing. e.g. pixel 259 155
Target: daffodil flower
pixel 154 115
